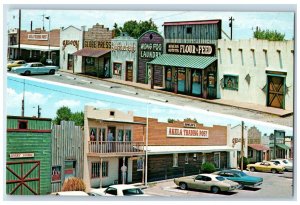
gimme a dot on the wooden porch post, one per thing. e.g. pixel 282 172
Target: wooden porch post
pixel 100 172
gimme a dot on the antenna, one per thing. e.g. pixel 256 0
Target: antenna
pixel 23 100
pixel 43 21
pixel 231 19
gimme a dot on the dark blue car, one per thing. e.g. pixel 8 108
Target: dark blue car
pixel 240 177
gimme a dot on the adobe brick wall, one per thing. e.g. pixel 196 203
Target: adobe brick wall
pixel 54 37
pixel 158 131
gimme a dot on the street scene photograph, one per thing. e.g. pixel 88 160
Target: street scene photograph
pixel 149 102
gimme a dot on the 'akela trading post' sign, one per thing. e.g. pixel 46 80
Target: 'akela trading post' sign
pixel 186 132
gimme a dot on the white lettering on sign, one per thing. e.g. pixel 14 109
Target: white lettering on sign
pixel 191 49
pixel 21 155
pixel 38 37
pixel 185 132
pixel 186 124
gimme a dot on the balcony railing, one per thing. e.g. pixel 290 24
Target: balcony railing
pixel 106 147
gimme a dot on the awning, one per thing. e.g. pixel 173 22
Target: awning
pixel 283 146
pixel 35 47
pixel 258 147
pixel 91 52
pixel 185 61
pixel 153 150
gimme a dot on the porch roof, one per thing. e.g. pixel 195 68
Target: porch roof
pixel 91 52
pixel 258 147
pixel 185 61
pixel 154 150
pixel 282 146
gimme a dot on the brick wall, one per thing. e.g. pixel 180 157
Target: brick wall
pixel 54 37
pixel 158 131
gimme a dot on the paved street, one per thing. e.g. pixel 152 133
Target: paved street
pixel 274 187
pixel 87 82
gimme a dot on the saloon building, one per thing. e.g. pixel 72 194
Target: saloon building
pixel 71 40
pixel 28 156
pixel 189 62
pixel 111 147
pixel 180 148
pixel 95 51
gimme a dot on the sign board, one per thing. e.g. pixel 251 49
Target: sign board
pixel 21 155
pixel 187 124
pixel 186 132
pixel 123 47
pixel 75 43
pixel 38 37
pixel 191 49
pixel 97 44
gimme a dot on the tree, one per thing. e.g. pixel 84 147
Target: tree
pixel 190 119
pixel 170 120
pixel 65 113
pixel 268 35
pixel 135 29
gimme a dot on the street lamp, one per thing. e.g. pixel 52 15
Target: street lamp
pixel 48 18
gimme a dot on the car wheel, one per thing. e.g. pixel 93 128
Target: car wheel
pixel 52 72
pixel 27 72
pixel 252 169
pixel 183 185
pixel 215 189
pixel 273 171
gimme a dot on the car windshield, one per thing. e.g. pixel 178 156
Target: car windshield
pixel 242 174
pixel 220 178
pixel 134 191
pixel 285 161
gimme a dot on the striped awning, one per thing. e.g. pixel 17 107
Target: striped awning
pixel 185 61
pixel 91 52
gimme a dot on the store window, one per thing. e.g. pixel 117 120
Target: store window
pixel 93 134
pixel 117 70
pixel 231 82
pixel 186 159
pixel 196 82
pixel 89 61
pixel 250 153
pixel 189 30
pixel 195 157
pixel 96 169
pixel 175 160
pixel 69 169
pixel 181 80
pixel 120 135
pixel 128 135
pixel 56 174
pixel 102 135
pixel 23 124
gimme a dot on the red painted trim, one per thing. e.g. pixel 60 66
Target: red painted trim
pixel 27 130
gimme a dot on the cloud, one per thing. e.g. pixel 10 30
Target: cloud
pixel 98 104
pixel 14 99
pixel 69 103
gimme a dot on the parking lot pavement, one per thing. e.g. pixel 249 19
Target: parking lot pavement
pixel 274 187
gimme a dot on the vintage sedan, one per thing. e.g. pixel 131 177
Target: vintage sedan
pixel 265 166
pixel 240 177
pixel 35 68
pixel 118 190
pixel 206 182
pixel 16 63
pixel 288 164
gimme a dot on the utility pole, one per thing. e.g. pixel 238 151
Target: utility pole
pixel 19 36
pixel 231 19
pixel 43 21
pixel 274 155
pixel 242 148
pixel 39 111
pixel 23 100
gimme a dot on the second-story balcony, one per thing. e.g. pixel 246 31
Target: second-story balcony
pixel 115 148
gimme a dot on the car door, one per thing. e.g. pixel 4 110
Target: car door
pixel 260 167
pixel 198 183
pixel 41 69
pixel 208 183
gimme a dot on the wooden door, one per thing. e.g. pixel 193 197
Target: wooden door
pixel 129 71
pixel 276 91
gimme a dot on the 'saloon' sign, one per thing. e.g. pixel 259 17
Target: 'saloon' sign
pixel 185 132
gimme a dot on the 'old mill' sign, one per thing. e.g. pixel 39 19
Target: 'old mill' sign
pixel 191 49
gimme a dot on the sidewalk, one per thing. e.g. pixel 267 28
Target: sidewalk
pixel 242 105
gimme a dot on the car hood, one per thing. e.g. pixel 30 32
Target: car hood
pixel 252 179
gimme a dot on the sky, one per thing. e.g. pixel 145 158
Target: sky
pixel 243 25
pixel 51 96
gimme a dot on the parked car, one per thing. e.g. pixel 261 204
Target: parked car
pixel 15 63
pixel 288 164
pixel 35 68
pixel 265 167
pixel 240 177
pixel 70 193
pixel 206 182
pixel 118 190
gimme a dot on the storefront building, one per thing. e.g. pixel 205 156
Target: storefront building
pixel 37 45
pixel 189 61
pixel 28 156
pixel 71 40
pixel 235 141
pixel 279 149
pixel 256 71
pixel 257 152
pixel 124 58
pixel 180 148
pixel 111 148
pixel 96 51
pixel 150 46
pixel 67 153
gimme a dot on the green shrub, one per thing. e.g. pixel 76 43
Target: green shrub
pixel 208 167
pixel 245 162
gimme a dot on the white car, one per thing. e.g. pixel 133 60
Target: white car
pixel 70 193
pixel 118 190
pixel 287 163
